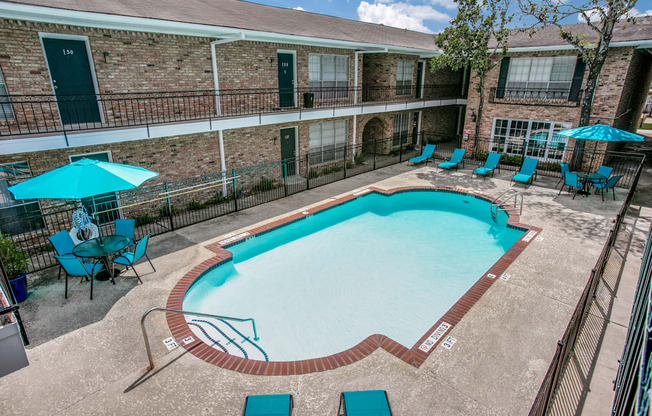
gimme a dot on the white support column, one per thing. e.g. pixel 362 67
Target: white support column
pixel 216 82
pixel 355 128
pixel 222 160
pixel 355 82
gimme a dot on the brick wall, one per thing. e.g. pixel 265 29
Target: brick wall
pixel 441 120
pixel 606 99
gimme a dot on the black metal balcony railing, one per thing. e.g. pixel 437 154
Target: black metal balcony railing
pixel 30 114
pixel 551 98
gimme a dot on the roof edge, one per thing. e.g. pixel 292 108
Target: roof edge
pixel 149 25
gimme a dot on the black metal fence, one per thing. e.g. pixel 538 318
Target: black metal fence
pixel 168 206
pixel 534 96
pixel 632 385
pixel 30 114
pixel 565 346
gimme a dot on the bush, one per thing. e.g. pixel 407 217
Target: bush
pixel 409 147
pixel 144 219
pixel 265 184
pixel 195 206
pixel 314 173
pixel 14 260
pixel 350 165
pixel 358 158
pixel 164 211
pixel 218 199
pixel 394 152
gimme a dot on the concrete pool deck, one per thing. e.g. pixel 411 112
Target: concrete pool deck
pixel 88 357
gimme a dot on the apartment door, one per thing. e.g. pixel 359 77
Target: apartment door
pixel 72 80
pixel 288 149
pixel 286 79
pixel 420 71
pixel 415 126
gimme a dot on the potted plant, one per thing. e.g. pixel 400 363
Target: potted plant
pixel 15 263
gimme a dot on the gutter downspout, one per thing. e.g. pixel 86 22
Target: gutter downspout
pixel 216 82
pixel 220 140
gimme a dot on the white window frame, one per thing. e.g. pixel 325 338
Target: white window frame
pixel 91 64
pixel 4 114
pixel 319 92
pixel 540 91
pixel 401 73
pixel 317 154
pixel 511 122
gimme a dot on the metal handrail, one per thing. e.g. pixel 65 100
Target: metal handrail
pixel 516 195
pixel 146 338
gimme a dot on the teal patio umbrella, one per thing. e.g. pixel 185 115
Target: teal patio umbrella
pixel 82 179
pixel 600 132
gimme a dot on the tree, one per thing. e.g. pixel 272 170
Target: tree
pixel 465 43
pixel 601 17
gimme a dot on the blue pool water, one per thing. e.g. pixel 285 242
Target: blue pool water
pixel 387 265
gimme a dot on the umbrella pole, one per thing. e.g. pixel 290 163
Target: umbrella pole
pixel 97 220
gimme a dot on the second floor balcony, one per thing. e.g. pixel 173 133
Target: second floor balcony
pixel 23 115
pixel 538 97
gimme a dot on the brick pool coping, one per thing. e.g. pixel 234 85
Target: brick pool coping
pixel 414 356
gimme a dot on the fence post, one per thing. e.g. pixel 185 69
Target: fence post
pixel 375 147
pixel 285 176
pixel 400 151
pixel 235 191
pixel 307 172
pixel 167 193
pixel 345 161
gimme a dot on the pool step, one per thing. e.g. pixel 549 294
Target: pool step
pixel 227 337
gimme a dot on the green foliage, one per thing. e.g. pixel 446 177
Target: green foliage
pixel 143 219
pixel 409 147
pixel 350 165
pixel 314 173
pixel 331 169
pixel 265 184
pixel 394 152
pixel 14 261
pixel 358 158
pixel 195 206
pixel 164 211
pixel 217 199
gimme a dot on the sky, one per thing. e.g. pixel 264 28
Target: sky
pixel 429 16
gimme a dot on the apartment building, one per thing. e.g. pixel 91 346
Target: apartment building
pixel 537 89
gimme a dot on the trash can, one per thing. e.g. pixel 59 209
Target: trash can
pixel 308 99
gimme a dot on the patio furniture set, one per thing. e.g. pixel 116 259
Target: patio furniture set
pixel 91 257
pixel 581 182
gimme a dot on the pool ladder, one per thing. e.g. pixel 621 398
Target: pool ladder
pixel 497 206
pixel 168 310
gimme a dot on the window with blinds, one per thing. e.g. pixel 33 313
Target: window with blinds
pixel 328 76
pixel 540 77
pixel 404 73
pixel 327 141
pixel 401 128
pixel 6 110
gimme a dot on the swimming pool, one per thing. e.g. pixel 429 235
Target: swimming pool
pixel 375 263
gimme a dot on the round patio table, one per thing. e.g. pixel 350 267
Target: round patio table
pixel 586 179
pixel 101 249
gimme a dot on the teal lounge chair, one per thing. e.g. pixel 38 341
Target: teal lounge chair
pixel 489 165
pixel 455 160
pixel 528 171
pixel 268 405
pixel 364 403
pixel 428 150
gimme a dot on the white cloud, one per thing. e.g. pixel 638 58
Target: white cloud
pixel 402 15
pixel 593 15
pixel 299 8
pixel 449 4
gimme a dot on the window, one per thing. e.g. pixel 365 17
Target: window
pixel 17 216
pixel 401 127
pixel 101 202
pixel 404 73
pixel 329 76
pixel 540 138
pixel 327 141
pixel 540 77
pixel 6 110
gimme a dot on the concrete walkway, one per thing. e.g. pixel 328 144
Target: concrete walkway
pixel 88 357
